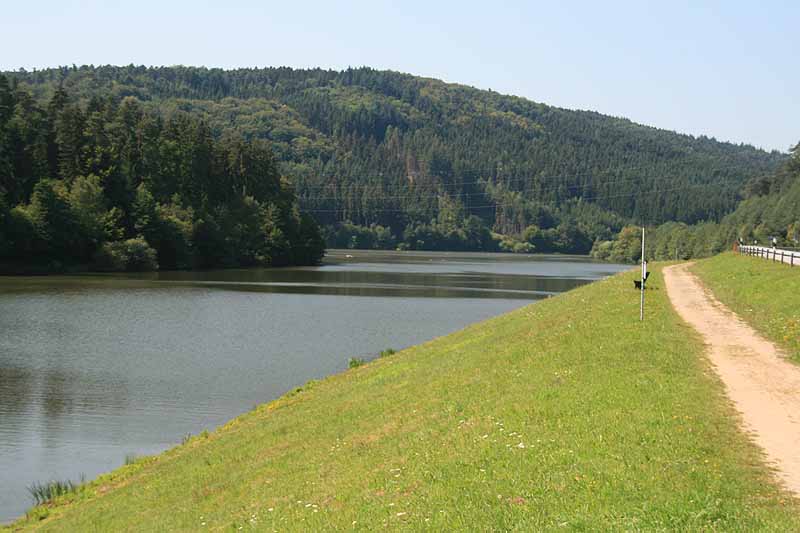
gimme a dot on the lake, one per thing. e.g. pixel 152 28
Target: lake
pixel 97 367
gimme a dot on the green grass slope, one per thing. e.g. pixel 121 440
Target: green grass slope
pixel 566 414
pixel 762 292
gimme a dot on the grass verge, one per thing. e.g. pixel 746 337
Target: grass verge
pixel 568 413
pixel 763 293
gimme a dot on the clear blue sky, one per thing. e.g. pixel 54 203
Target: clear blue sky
pixel 724 69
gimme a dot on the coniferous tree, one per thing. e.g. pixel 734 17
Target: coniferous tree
pixel 110 185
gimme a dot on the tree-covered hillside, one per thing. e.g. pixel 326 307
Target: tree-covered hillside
pixel 107 184
pixel 385 159
pixel 770 209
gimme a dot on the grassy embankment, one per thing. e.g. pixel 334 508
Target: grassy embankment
pixel 763 293
pixel 565 414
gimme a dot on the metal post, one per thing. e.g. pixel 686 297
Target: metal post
pixel 644 274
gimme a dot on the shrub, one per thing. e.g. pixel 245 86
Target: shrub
pixel 110 257
pixel 50 490
pixel 141 257
pixel 355 362
pixel 387 352
pixel 506 243
pixel 132 255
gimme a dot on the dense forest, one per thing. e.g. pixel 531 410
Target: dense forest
pixel 770 209
pixel 388 160
pixel 107 184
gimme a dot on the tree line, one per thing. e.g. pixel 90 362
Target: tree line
pixel 106 183
pixel 385 159
pixel 770 209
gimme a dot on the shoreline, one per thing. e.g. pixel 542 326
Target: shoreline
pixel 79 271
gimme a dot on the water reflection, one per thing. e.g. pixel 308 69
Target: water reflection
pixel 99 366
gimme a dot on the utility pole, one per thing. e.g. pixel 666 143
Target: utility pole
pixel 644 278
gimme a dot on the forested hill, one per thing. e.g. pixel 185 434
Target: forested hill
pixel 770 210
pixel 385 159
pixel 771 207
pixel 108 185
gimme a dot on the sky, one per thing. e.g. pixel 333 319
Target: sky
pixel 727 70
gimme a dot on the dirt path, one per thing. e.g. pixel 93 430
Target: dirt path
pixel 764 387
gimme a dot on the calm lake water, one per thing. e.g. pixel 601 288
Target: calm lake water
pixel 96 367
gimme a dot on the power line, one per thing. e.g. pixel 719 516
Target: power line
pixel 588 173
pixel 509 204
pixel 483 193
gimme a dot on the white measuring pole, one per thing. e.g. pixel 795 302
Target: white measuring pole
pixel 644 274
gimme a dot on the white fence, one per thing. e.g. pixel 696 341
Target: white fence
pixel 775 254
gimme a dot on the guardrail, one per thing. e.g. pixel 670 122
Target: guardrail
pixel 790 257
